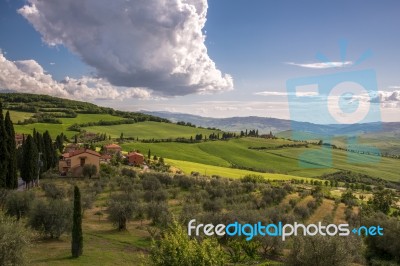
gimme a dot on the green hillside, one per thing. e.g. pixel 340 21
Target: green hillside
pixel 56 129
pixel 388 143
pixel 150 130
pixel 273 159
pixel 189 167
pixel 256 154
pixel 42 112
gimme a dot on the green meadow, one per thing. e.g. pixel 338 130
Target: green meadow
pixel 233 153
pixel 150 129
pixel 210 170
pixel 304 162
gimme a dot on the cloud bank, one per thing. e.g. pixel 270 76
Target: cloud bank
pixel 323 65
pixel 155 44
pixel 27 76
pixel 279 93
pixel 387 99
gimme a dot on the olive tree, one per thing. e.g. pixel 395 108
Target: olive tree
pixel 121 208
pixel 14 241
pixel 52 218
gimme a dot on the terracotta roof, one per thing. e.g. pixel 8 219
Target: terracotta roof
pixel 78 152
pixel 113 146
pixel 106 156
pixel 135 153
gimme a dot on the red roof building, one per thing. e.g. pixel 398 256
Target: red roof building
pixel 74 161
pixel 135 158
pixel 112 149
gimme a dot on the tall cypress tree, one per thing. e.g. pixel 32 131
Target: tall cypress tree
pixel 48 151
pixel 77 238
pixel 3 150
pixel 29 169
pixel 11 176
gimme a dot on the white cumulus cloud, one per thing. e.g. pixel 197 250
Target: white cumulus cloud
pixel 28 76
pixel 155 44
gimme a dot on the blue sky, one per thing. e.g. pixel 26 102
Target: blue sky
pixel 256 45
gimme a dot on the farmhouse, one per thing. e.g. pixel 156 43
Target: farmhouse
pixel 74 161
pixel 135 158
pixel 112 149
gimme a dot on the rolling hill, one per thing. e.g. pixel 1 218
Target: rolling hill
pixel 266 124
pixel 280 156
pixel 383 136
pixel 42 112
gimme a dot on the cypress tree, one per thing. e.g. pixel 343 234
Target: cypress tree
pixel 77 238
pixel 11 176
pixel 48 151
pixel 41 148
pixel 3 150
pixel 29 169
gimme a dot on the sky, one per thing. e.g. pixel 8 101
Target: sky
pixel 216 58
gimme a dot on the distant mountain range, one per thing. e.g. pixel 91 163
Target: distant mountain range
pixel 266 124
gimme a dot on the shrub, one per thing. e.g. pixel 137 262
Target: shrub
pixel 213 205
pixel 52 191
pixel 158 213
pixel 176 248
pixel 302 212
pixel 89 170
pixel 129 172
pixel 321 251
pixel 52 219
pixel 14 241
pixel 18 203
pixel 151 182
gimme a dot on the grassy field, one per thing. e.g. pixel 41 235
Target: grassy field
pixel 209 170
pixel 56 129
pixel 304 162
pixel 149 130
pixel 103 244
pixel 385 168
pixel 18 116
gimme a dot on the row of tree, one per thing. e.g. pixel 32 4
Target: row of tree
pixel 36 155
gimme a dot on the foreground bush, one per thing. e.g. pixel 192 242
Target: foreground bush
pixel 18 203
pixel 13 242
pixel 175 248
